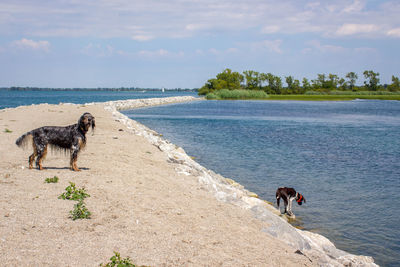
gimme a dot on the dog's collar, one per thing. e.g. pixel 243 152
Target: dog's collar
pixel 299 198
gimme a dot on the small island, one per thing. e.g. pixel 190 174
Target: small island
pixel 265 86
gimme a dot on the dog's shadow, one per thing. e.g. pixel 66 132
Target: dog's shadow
pixel 64 168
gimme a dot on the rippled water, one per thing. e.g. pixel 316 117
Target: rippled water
pixel 11 99
pixel 344 157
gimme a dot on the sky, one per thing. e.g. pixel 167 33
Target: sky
pixel 183 43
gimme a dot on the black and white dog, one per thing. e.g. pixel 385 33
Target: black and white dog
pixel 288 195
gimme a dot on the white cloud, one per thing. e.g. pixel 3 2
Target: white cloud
pixel 271 45
pixel 214 51
pixel 145 20
pixel 316 45
pixel 393 32
pixel 195 27
pixel 199 52
pixel 353 29
pixel 148 53
pixel 142 37
pixel 326 48
pixel 313 5
pixel 160 53
pixel 31 45
pixel 270 29
pixel 98 50
pixel 357 6
pixel 365 50
pixel 232 50
pixel 217 52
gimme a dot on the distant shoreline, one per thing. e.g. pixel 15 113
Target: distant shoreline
pixel 333 97
pixel 236 94
pixel 124 89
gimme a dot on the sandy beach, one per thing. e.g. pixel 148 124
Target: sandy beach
pixel 144 205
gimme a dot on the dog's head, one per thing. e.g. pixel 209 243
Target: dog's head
pixel 300 198
pixel 86 121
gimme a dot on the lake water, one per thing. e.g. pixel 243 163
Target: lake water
pixel 10 99
pixel 344 157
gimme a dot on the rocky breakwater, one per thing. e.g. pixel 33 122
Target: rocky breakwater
pixel 314 246
pixel 146 102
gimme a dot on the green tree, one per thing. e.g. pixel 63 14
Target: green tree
pixel 332 83
pixel 395 85
pixel 211 85
pixel 293 85
pixel 306 85
pixel 320 82
pixel 252 79
pixel 263 78
pixel 274 83
pixel 372 80
pixel 277 85
pixel 224 80
pixel 233 79
pixel 342 84
pixel 352 76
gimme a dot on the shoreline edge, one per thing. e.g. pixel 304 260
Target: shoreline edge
pixel 314 246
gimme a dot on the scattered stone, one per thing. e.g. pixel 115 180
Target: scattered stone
pixel 252 194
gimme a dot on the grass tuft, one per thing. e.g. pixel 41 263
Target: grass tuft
pixel 73 193
pixel 80 211
pixel 51 180
pixel 118 262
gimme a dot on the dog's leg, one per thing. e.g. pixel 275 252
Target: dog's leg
pixel 290 206
pixel 74 166
pixel 286 204
pixel 74 158
pixel 41 153
pixel 31 159
pixel 278 198
pixel 33 156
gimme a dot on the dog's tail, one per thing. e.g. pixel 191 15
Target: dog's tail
pixel 23 140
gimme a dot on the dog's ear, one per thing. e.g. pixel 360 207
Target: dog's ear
pixel 81 122
pixel 93 125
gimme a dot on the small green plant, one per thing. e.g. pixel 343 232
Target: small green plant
pixel 51 180
pixel 73 193
pixel 7 130
pixel 80 211
pixel 117 261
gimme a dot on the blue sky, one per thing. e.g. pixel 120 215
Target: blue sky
pixel 182 43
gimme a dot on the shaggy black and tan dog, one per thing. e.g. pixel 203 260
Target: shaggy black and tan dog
pixel 72 138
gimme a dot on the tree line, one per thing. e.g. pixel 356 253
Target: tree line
pixel 272 84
